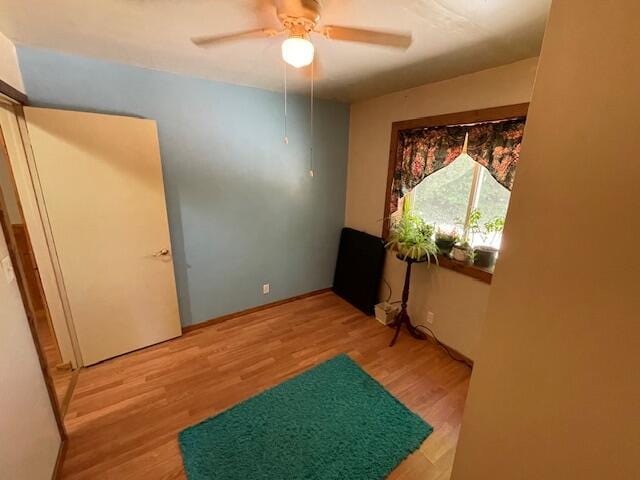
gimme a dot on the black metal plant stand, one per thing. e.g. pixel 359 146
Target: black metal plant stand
pixel 403 316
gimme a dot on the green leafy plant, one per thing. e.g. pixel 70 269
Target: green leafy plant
pixel 463 245
pixel 466 246
pixel 447 235
pixel 486 231
pixel 492 228
pixel 469 228
pixel 445 240
pixel 412 238
pixel 474 220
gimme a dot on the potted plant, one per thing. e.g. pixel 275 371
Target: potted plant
pixel 485 256
pixel 463 252
pixel 445 240
pixel 412 238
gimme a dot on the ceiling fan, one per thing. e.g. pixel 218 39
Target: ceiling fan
pixel 299 19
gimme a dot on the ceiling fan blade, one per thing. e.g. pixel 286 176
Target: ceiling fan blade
pixel 264 11
pixel 348 34
pixel 211 40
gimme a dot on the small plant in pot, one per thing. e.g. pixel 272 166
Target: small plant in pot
pixel 412 238
pixel 445 240
pixel 462 251
pixel 485 256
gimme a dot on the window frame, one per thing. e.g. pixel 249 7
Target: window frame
pixel 449 119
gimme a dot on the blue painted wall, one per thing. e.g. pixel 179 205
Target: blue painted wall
pixel 243 209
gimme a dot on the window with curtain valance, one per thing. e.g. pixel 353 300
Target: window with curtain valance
pixel 423 151
pixel 456 172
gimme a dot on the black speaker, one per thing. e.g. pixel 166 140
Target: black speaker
pixel 359 269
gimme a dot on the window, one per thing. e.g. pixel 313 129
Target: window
pixel 452 167
pixel 449 197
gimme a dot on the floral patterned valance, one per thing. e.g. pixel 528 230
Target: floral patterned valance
pixel 421 152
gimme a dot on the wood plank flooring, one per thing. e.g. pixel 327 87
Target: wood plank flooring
pixel 125 413
pixel 61 378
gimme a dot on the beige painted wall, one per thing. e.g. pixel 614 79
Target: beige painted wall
pixel 459 302
pixel 30 438
pixel 556 390
pixel 29 435
pixel 9 71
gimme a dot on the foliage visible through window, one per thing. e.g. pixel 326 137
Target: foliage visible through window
pixel 452 197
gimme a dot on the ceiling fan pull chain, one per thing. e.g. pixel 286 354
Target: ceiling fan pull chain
pixel 286 138
pixel 311 173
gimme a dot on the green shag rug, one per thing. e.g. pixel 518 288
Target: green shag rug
pixel 331 422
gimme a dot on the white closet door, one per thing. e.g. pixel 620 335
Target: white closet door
pixel 101 179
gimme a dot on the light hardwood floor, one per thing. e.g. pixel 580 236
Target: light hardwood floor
pixel 125 413
pixel 61 378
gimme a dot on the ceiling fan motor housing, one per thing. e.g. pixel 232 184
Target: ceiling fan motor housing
pixel 304 13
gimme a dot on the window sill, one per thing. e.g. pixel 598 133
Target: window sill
pixel 484 275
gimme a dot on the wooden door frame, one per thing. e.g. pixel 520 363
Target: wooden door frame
pixel 13 93
pixel 21 99
pixel 448 119
pixel 30 192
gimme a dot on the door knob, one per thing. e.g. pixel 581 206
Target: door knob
pixel 161 253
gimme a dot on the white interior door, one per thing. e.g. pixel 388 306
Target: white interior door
pixel 102 186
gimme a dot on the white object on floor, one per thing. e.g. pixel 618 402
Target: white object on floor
pixel 386 312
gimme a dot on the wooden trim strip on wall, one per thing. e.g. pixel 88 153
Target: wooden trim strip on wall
pixel 62 453
pixel 472 271
pixel 64 405
pixel 224 318
pixel 13 93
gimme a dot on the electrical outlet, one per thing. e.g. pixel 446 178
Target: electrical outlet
pixel 431 317
pixel 265 289
pixel 7 268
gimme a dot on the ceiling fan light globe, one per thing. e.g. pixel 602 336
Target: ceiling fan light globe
pixel 297 52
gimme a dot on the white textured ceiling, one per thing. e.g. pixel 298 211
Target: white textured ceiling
pixel 451 37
